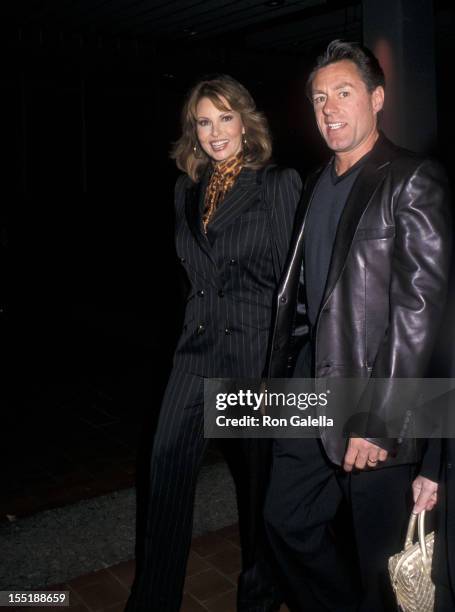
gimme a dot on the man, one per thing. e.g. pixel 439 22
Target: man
pixel 374 234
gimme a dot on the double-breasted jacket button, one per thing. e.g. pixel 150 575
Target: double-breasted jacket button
pixel 200 293
pixel 220 293
pixel 232 262
pixel 182 259
pixel 200 329
pixel 227 331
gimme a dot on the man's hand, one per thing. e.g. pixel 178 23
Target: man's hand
pixel 362 453
pixel 425 492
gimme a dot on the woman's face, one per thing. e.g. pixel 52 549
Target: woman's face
pixel 219 131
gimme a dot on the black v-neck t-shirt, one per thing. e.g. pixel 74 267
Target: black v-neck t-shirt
pixel 329 199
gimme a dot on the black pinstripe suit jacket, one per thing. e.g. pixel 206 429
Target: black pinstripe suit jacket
pixel 233 270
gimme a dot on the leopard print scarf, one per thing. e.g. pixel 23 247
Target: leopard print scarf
pixel 222 180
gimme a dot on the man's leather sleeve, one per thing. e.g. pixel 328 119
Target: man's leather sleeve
pixel 420 271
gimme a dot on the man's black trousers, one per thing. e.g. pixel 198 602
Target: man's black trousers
pixel 323 570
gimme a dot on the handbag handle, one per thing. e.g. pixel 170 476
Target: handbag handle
pixel 421 530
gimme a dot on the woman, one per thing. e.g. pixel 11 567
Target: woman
pixel 443 570
pixel 234 216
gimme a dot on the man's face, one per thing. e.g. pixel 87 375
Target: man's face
pixel 346 113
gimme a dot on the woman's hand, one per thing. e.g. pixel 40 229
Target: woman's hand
pixel 425 493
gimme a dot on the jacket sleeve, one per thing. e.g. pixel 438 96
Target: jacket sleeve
pixel 181 185
pixel 431 462
pixel 418 288
pixel 282 193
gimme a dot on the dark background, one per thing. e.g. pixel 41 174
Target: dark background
pixel 91 293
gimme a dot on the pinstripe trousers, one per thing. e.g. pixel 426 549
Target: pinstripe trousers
pixel 177 454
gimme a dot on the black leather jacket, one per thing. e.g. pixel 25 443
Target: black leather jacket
pixel 386 286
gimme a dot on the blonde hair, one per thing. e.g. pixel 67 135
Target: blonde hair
pixel 257 150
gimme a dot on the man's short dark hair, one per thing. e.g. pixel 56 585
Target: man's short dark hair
pixel 367 64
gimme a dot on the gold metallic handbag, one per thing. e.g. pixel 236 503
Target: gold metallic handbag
pixel 410 569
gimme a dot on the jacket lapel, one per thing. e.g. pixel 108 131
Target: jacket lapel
pixel 296 245
pixel 369 179
pixel 237 200
pixel 305 202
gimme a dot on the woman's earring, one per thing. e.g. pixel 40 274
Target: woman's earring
pixel 245 141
